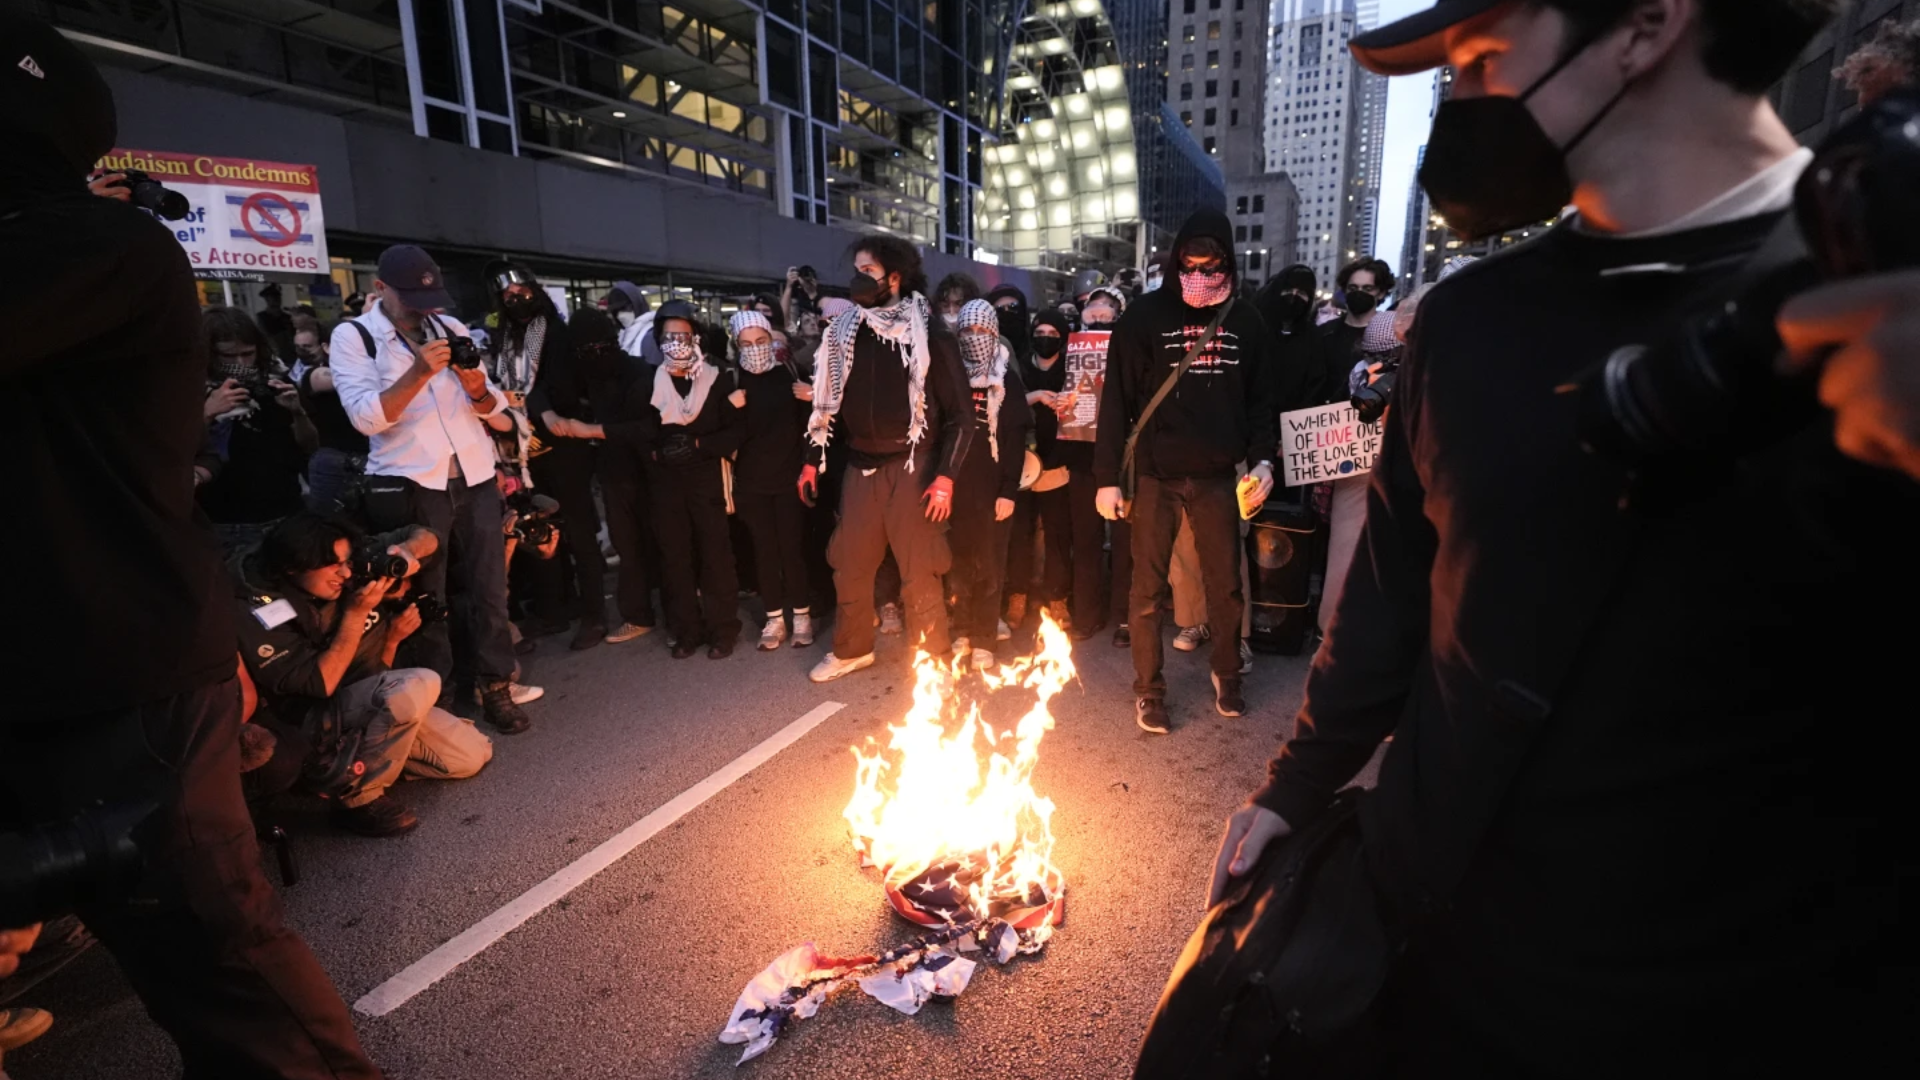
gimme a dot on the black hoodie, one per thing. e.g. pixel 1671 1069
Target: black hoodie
pixel 118 584
pixel 1222 411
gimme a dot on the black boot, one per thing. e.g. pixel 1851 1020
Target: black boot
pixel 501 712
pixel 384 816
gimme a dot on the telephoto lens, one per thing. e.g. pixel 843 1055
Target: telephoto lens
pixel 373 561
pixel 151 194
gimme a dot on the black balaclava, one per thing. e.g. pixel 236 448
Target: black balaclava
pixel 1016 322
pixel 596 343
pixel 1052 317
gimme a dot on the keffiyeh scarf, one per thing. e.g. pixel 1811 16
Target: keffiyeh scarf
pixel 675 409
pixel 515 369
pixel 903 326
pixel 985 356
pixel 754 359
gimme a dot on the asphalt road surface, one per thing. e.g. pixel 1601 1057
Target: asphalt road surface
pixel 633 974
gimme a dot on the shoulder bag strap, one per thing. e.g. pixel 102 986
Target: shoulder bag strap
pixel 1146 414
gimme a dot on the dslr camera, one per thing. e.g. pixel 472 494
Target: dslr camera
pixel 466 354
pixel 533 523
pixel 155 197
pixel 372 561
pixel 1710 388
pixel 1371 398
pixel 431 608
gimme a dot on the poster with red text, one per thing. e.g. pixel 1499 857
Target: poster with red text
pixel 1086 360
pixel 247 215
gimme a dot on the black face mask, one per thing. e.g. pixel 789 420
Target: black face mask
pixel 1489 165
pixel 1362 303
pixel 869 293
pixel 1292 308
pixel 1047 347
pixel 1013 326
pixel 519 307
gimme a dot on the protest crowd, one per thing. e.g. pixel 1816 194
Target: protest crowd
pixel 393 511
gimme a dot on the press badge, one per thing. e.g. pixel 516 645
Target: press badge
pixel 516 399
pixel 274 614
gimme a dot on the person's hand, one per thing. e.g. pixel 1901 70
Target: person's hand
pixel 738 398
pixel 803 391
pixel 402 626
pixel 1249 831
pixel 225 398
pixel 562 427
pixel 1868 331
pixel 1002 509
pixel 939 498
pixel 1109 502
pixel 809 485
pixel 1063 403
pixel 111 185
pixel 15 944
pixel 1043 397
pixel 1373 372
pixel 433 355
pixel 1262 476
pixel 474 382
pixel 793 274
pixel 549 547
pixel 367 597
pixel 285 395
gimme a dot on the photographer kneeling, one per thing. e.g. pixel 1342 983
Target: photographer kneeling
pixel 323 611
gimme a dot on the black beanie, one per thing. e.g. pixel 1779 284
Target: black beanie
pixel 51 90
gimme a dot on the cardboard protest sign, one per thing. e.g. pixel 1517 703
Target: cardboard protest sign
pixel 256 216
pixel 1326 443
pixel 1086 360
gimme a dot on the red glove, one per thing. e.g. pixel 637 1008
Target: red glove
pixel 939 498
pixel 809 485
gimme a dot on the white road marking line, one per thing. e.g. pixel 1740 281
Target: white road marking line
pixel 440 963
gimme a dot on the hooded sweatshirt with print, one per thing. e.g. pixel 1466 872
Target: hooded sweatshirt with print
pixel 1222 411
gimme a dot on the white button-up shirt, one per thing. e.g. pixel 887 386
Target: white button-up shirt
pixel 439 424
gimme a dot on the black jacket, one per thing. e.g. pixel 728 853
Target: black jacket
pixel 983 478
pixel 261 463
pixel 557 385
pixel 775 445
pixel 716 432
pixel 1221 413
pixel 1625 786
pixel 117 576
pixel 875 412
pixel 622 401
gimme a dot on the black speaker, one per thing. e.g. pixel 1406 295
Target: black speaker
pixel 1279 554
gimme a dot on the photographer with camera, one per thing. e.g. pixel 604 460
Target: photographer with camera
pixel 413 382
pixel 1623 793
pixel 133 697
pixel 260 438
pixel 322 613
pixel 335 469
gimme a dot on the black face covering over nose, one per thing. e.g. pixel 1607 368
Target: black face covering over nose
pixel 1047 346
pixel 1490 167
pixel 867 292
pixel 1361 303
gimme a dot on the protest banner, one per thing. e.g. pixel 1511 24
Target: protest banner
pixel 258 216
pixel 1326 443
pixel 1086 360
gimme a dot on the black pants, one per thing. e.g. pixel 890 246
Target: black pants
pixel 623 483
pixel 1082 548
pixel 878 513
pixel 696 546
pixel 201 939
pixel 1055 511
pixel 566 473
pixel 778 523
pixel 1019 564
pixel 1214 511
pixel 1120 582
pixel 979 546
pixel 473 554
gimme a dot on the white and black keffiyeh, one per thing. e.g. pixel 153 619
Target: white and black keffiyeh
pixel 904 327
pixel 515 369
pixel 675 409
pixel 754 359
pixel 986 357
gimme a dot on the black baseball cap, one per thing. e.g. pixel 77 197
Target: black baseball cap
pixel 1418 42
pixel 51 91
pixel 413 275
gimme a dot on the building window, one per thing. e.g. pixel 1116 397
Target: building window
pixel 1188 34
pixel 1213 87
pixel 1213 59
pixel 1186 62
pixel 1236 31
pixel 1240 205
pixel 1236 88
pixel 1253 262
pixel 1213 117
pixel 1233 118
pixel 1209 142
pixel 1240 234
pixel 1188 9
pixel 1259 232
pixel 1213 5
pixel 1236 59
pixel 1186 91
pixel 1186 118
pixel 1259 204
pixel 1213 31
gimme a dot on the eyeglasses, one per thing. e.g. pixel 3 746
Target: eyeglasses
pixel 1207 268
pixel 680 336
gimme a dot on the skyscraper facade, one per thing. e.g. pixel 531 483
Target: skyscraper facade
pixel 1325 127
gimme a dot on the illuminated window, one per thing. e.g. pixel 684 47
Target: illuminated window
pixel 1213 59
pixel 1213 31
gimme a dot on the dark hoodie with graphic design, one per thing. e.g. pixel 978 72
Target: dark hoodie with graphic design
pixel 1222 411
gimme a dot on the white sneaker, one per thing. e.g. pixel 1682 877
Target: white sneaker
pixel 891 621
pixel 983 660
pixel 773 633
pixel 626 631
pixel 1192 637
pixel 1246 657
pixel 1004 633
pixel 522 695
pixel 832 667
pixel 802 631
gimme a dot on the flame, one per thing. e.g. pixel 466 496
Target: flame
pixel 930 799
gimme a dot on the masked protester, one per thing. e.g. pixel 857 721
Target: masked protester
pixel 1073 587
pixel 700 426
pixel 951 295
pixel 984 491
pixel 532 360
pixel 1218 418
pixel 1286 303
pixel 619 386
pixel 133 694
pixel 1649 714
pixel 772 454
pixel 634 316
pixel 1016 321
pixel 892 386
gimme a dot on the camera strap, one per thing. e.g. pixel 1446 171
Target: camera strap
pixel 1127 484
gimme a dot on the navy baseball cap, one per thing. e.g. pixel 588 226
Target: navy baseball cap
pixel 1418 42
pixel 413 275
